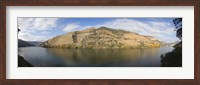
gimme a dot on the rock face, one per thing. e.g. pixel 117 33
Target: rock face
pixel 102 37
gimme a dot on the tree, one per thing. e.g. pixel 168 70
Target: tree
pixel 178 27
pixel 74 37
pixel 18 29
pixel 174 58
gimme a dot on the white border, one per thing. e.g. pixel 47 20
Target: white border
pixel 185 72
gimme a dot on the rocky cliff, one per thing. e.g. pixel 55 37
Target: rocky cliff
pixel 102 37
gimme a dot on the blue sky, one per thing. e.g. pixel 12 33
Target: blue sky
pixel 42 29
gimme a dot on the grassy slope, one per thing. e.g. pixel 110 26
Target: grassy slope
pixel 102 37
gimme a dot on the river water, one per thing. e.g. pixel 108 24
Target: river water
pixel 59 57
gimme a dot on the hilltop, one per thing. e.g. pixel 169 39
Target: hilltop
pixel 102 37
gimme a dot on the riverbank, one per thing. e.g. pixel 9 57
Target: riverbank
pixel 23 63
pixel 174 58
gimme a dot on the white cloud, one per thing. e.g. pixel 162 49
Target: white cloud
pixel 126 24
pixel 38 24
pixel 31 37
pixel 71 27
pixel 159 24
pixel 45 32
pixel 30 26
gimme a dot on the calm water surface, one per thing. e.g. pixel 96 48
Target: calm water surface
pixel 59 57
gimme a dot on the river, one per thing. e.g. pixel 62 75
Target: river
pixel 59 57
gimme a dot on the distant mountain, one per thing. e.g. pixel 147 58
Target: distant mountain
pixel 102 37
pixel 178 44
pixel 172 44
pixel 22 43
pixel 36 43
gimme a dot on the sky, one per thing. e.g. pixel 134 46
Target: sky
pixel 42 29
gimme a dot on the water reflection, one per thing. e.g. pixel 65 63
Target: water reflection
pixel 55 57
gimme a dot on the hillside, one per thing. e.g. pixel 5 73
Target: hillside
pixel 171 44
pixel 22 43
pixel 36 43
pixel 102 37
